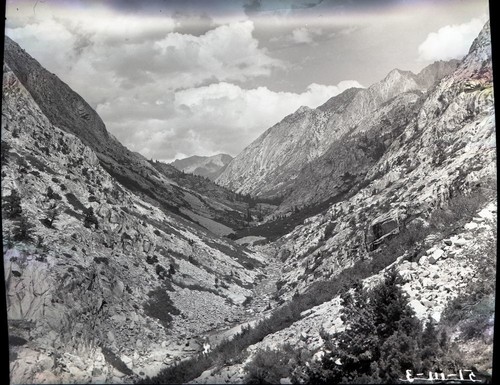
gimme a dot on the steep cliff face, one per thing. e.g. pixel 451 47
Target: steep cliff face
pixel 208 166
pixel 67 110
pixel 346 163
pixel 270 165
pixel 106 295
pixel 448 147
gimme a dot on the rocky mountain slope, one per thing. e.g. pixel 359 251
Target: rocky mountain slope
pixel 67 110
pixel 103 284
pixel 269 166
pixel 447 149
pixel 208 166
pixel 427 207
pixel 439 276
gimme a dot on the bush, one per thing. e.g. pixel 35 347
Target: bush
pixel 52 214
pixel 151 260
pixel 90 218
pixel 267 367
pixel 103 260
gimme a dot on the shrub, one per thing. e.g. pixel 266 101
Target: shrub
pixel 52 195
pixel 473 308
pixel 267 367
pixel 73 201
pixel 90 218
pixel 103 260
pixel 152 260
pixel 162 273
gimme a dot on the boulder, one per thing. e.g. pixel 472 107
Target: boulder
pixel 436 316
pixel 427 303
pixel 438 253
pixel 420 310
pixel 471 226
pixel 431 250
pixel 486 214
pixel 459 241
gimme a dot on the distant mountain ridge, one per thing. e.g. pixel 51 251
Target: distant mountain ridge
pixel 269 165
pixel 208 166
pixel 69 111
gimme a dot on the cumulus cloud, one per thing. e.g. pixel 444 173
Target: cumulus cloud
pixel 451 41
pixel 221 117
pixel 160 90
pixel 228 52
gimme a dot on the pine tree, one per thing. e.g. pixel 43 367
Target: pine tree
pixel 22 230
pixel 50 193
pixel 12 205
pixel 4 149
pixel 381 341
pixel 431 346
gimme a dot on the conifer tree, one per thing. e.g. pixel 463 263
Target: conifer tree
pixel 22 229
pixel 381 340
pixel 12 205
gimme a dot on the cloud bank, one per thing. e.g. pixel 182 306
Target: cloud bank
pixel 221 117
pixel 168 85
pixel 450 41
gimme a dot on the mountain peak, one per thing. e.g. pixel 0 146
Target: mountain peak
pixel 207 166
pixel 302 109
pixel 396 74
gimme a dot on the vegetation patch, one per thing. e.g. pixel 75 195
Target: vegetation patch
pixel 17 341
pixel 75 202
pixel 102 260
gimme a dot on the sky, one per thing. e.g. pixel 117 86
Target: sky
pixel 171 79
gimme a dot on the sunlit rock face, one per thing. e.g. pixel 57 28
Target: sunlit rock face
pixel 272 163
